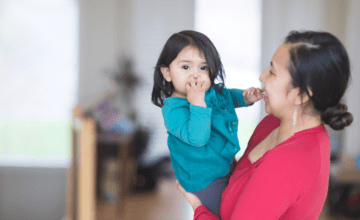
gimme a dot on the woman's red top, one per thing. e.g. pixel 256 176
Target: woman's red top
pixel 289 181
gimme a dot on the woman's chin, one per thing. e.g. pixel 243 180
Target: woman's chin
pixel 267 109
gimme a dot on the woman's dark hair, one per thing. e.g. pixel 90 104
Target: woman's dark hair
pixel 319 63
pixel 163 89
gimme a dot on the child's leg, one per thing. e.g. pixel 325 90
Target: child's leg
pixel 211 195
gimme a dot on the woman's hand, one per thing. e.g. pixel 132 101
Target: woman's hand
pixel 252 95
pixel 192 198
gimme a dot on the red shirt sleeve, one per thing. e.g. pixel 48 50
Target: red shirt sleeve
pixel 203 213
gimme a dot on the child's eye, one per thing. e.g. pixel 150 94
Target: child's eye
pixel 271 73
pixel 185 67
pixel 204 68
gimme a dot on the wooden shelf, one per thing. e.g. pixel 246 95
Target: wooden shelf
pixel 81 201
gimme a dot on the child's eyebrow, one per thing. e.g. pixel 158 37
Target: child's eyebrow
pixel 189 61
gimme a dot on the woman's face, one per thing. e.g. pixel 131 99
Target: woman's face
pixel 279 95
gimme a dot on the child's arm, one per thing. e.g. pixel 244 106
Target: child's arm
pixel 243 98
pixel 191 124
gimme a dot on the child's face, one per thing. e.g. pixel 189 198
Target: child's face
pixel 188 63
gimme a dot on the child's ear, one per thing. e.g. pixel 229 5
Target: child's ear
pixel 166 73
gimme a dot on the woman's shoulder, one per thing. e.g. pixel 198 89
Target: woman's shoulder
pixel 270 120
pixel 308 144
pixel 302 153
pixel 266 125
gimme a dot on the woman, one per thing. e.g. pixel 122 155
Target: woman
pixel 284 172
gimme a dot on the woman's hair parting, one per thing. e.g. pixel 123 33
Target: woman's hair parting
pixel 163 89
pixel 319 63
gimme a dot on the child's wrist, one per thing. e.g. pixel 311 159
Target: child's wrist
pixel 199 103
pixel 247 102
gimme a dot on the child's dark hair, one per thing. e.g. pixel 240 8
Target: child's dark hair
pixel 319 62
pixel 163 89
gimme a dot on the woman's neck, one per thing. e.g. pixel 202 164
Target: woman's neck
pixel 301 122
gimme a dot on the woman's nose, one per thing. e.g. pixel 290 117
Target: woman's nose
pixel 262 76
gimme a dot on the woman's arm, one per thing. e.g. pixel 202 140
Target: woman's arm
pixel 191 124
pixel 270 190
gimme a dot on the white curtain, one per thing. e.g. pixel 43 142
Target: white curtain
pixel 341 18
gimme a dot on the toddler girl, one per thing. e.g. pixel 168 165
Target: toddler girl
pixel 199 115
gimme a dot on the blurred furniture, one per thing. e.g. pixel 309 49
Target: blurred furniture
pixel 81 200
pixel 344 188
pixel 345 172
pixel 125 159
pixel 80 194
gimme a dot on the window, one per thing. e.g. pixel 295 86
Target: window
pixel 38 53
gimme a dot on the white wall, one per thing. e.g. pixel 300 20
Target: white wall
pixel 97 51
pixel 154 22
pixel 352 137
pixel 137 29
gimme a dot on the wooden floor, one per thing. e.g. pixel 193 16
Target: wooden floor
pixel 165 203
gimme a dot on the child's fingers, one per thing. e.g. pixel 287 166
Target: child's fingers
pixel 259 94
pixel 257 91
pixel 250 91
pixel 187 85
pixel 253 90
pixel 191 81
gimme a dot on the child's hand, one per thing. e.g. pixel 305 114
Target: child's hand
pixel 195 89
pixel 252 95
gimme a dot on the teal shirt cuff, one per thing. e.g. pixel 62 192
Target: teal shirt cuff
pixel 238 98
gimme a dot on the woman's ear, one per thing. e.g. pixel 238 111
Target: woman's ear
pixel 166 73
pixel 310 91
pixel 303 98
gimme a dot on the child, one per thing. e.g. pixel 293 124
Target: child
pixel 199 115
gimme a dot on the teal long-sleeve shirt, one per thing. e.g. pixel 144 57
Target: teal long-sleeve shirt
pixel 202 141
